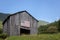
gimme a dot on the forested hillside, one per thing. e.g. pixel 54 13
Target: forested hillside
pixel 41 22
pixel 53 27
pixel 3 16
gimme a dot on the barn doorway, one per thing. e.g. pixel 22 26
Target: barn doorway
pixel 24 31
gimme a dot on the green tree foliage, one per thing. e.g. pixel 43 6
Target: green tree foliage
pixel 0 24
pixel 1 27
pixel 52 29
pixel 59 25
pixel 1 30
pixel 42 29
pixel 3 35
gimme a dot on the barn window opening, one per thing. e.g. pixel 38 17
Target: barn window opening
pixel 24 31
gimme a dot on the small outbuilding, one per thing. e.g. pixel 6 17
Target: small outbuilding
pixel 20 23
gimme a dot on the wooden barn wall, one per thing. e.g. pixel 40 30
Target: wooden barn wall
pixel 34 27
pixel 17 24
pixel 24 17
pixel 33 22
pixel 14 28
pixel 8 26
pixel 14 24
pixel 5 28
pixel 11 26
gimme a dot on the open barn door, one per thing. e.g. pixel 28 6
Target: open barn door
pixel 24 31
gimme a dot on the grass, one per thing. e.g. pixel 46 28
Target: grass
pixel 36 37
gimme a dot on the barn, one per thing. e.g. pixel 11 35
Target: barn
pixel 20 23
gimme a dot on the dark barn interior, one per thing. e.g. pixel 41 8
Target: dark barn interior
pixel 24 31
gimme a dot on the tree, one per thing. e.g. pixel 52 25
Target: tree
pixel 59 25
pixel 42 29
pixel 1 30
pixel 52 29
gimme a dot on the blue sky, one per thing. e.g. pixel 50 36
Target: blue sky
pixel 47 10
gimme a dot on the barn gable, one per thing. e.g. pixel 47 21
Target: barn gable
pixel 18 13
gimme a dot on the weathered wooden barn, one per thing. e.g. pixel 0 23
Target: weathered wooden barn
pixel 20 23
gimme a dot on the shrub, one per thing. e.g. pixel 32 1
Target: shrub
pixel 42 29
pixel 58 25
pixel 52 29
pixel 1 30
pixel 3 35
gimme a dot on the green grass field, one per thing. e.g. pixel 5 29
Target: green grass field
pixel 36 37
